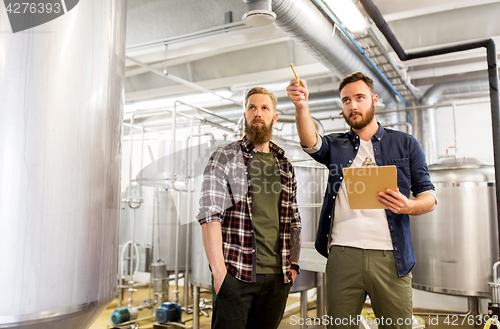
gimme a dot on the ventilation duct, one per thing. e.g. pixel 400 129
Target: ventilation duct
pixel 258 13
pixel 306 25
pixel 428 116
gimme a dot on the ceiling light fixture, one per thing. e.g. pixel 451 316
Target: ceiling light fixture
pixel 259 13
pixel 348 14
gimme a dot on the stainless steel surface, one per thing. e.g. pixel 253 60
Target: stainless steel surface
pixel 495 285
pixel 78 316
pixel 457 244
pixel 196 307
pixel 303 307
pixel 310 259
pixel 61 109
pixel 165 225
pixel 160 279
pixel 159 270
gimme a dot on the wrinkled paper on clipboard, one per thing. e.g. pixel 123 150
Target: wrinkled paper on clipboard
pixel 363 184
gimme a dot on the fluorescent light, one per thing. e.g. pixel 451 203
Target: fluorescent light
pixel 169 102
pixel 348 14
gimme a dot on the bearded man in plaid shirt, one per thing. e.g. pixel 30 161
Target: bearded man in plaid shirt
pixel 250 222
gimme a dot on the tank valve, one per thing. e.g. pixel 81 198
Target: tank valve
pixel 168 312
pixel 123 314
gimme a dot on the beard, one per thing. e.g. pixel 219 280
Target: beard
pixel 365 119
pixel 258 134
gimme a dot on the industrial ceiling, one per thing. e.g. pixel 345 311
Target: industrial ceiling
pixel 206 43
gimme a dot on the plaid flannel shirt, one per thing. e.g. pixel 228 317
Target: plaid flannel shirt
pixel 226 197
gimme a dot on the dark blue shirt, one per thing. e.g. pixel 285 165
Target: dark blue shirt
pixel 390 147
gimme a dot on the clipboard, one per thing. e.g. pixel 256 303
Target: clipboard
pixel 363 184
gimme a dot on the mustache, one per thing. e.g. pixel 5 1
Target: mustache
pixel 353 113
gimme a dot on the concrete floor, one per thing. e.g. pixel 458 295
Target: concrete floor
pixel 290 318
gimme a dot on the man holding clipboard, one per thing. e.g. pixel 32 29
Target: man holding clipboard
pixel 369 251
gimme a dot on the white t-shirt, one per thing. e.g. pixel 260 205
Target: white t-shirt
pixel 360 228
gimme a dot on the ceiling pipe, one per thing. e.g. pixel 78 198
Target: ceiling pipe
pixel 177 79
pixel 428 116
pixel 307 26
pixel 491 56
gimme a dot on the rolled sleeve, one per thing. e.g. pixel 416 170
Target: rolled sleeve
pixel 429 192
pixel 316 147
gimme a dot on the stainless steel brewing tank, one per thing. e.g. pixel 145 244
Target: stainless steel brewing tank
pixel 457 244
pixel 311 180
pixel 164 240
pixel 61 116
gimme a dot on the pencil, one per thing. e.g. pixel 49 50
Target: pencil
pixel 296 76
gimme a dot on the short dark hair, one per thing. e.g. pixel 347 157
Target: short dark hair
pixel 357 76
pixel 263 91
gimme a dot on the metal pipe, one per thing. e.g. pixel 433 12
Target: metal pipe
pixel 142 161
pixel 129 200
pixel 455 129
pixel 190 36
pixel 187 277
pixel 130 163
pixel 407 124
pixel 196 307
pixel 320 295
pixel 177 234
pixel 177 79
pixel 132 272
pixel 204 110
pixel 174 124
pixel 163 109
pixel 495 284
pixel 303 308
pixel 290 118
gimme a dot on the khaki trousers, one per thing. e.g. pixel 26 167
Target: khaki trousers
pixel 353 273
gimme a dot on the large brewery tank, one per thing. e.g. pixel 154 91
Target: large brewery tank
pixel 157 214
pixel 457 244
pixel 153 224
pixel 310 184
pixel 61 109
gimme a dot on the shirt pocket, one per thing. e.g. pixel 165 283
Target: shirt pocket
pixel 403 170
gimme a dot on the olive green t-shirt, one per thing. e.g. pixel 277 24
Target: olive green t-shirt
pixel 265 181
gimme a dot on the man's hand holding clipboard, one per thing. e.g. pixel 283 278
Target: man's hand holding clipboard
pixel 364 184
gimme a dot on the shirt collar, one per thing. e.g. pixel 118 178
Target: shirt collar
pixel 378 135
pixel 249 147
